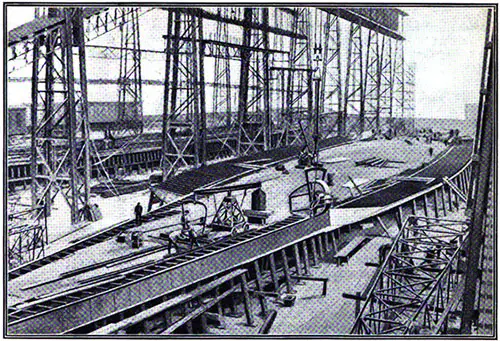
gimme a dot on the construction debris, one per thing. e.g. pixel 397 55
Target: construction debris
pixel 378 162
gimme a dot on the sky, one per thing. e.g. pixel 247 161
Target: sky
pixel 444 43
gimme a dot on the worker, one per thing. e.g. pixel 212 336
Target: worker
pixel 431 151
pixel 138 214
pixel 187 232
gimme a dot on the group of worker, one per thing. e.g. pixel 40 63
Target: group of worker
pixel 186 232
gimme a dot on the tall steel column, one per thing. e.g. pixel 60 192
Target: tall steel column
pixel 373 80
pixel 330 102
pixel 223 124
pixel 354 94
pixel 59 122
pixel 478 197
pixel 398 84
pixel 130 81
pixel 253 107
pixel 386 88
pixel 300 88
pixel 184 108
pixel 294 77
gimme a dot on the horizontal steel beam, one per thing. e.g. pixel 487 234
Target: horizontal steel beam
pixel 351 16
pixel 201 13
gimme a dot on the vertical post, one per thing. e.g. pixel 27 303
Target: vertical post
pixel 306 257
pixel 34 124
pixel 286 270
pixel 334 241
pixel 67 45
pixel 265 57
pixel 443 201
pixel 244 77
pixel 84 104
pixel 481 191
pixel 314 252
pixel 320 245
pixel 202 117
pixel 436 206
pixel 260 287
pixel 426 210
pixel 450 199
pixel 166 97
pixel 274 275
pixel 246 300
pixel 298 265
pixel 414 206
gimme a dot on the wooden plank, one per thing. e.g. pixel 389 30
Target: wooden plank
pixel 183 298
pixel 197 312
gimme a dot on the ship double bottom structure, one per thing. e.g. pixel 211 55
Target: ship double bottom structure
pixel 250 170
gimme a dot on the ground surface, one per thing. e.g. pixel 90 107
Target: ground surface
pixel 275 184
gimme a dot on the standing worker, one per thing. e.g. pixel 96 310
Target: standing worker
pixel 138 214
pixel 431 151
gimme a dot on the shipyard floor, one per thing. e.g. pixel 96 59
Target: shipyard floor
pixel 339 161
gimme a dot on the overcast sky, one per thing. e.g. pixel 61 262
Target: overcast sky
pixel 445 43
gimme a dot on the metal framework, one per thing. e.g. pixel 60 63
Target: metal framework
pixel 27 236
pixel 354 94
pixel 373 81
pixel 253 108
pixel 221 123
pixel 184 102
pixel 480 185
pixel 59 122
pixel 129 81
pixel 420 282
pixel 299 94
pixel 386 88
pixel 331 78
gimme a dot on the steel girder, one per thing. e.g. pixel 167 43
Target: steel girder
pixel 480 191
pixel 373 80
pixel 331 110
pixel 420 281
pixel 184 102
pixel 130 80
pixel 386 88
pixel 253 107
pixel 354 94
pixel 292 79
pixel 299 90
pixel 59 121
pixel 221 123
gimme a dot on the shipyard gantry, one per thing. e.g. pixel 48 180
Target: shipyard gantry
pixel 258 170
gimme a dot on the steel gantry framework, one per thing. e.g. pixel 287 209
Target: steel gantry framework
pixel 420 282
pixel 221 123
pixel 273 57
pixel 59 116
pixel 254 107
pixel 184 108
pixel 129 81
pixel 331 108
pixel 354 93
